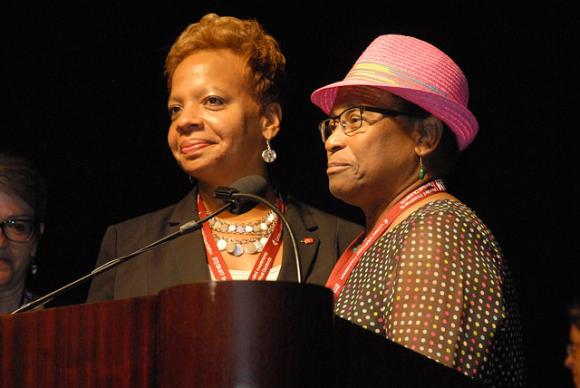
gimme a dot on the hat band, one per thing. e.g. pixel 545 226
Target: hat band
pixel 383 75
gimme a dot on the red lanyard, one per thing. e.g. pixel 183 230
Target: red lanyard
pixel 350 258
pixel 217 263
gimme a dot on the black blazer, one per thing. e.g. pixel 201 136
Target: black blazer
pixel 184 261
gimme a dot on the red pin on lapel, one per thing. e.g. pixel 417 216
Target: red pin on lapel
pixel 307 240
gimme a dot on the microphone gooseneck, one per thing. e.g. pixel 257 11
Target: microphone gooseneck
pixel 250 187
pixel 186 228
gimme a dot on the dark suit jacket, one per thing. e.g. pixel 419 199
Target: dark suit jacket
pixel 184 261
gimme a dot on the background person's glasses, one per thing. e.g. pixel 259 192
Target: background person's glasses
pixel 352 119
pixel 18 230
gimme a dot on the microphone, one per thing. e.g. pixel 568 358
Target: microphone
pixel 251 186
pixel 238 201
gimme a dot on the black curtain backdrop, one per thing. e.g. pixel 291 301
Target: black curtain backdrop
pixel 84 97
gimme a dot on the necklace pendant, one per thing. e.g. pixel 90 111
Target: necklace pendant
pixel 251 248
pixel 230 247
pixel 238 250
pixel 222 244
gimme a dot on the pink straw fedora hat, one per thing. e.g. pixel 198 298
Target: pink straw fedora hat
pixel 416 71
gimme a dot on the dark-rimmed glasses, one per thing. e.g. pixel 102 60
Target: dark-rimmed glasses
pixel 352 119
pixel 18 229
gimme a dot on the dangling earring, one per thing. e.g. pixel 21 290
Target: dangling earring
pixel 192 180
pixel 33 266
pixel 421 169
pixel 269 155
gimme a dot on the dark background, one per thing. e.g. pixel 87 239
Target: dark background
pixel 84 97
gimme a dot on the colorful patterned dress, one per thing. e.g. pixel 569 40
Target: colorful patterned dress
pixel 437 283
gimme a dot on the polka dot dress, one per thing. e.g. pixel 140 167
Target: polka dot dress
pixel 437 284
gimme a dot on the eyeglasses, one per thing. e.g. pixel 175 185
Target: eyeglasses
pixel 352 119
pixel 18 230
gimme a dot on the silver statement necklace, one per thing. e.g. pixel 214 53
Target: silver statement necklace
pixel 237 238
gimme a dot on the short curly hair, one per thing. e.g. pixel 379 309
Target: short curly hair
pixel 20 176
pixel 246 38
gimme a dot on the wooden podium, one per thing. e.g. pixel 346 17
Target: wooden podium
pixel 215 334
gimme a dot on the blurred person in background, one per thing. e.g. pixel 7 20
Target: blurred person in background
pixel 22 214
pixel 572 360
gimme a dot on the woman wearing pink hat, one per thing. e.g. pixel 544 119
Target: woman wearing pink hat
pixel 427 273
